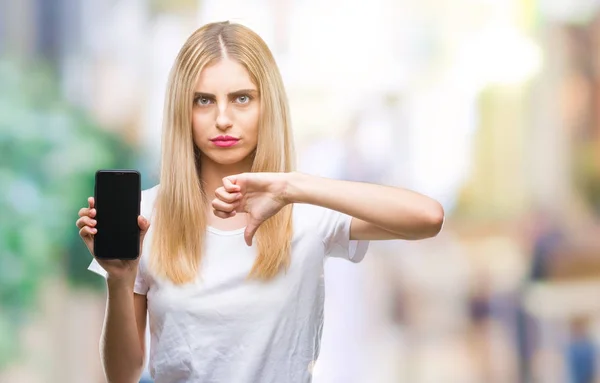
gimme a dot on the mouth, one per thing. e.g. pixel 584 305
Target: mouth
pixel 225 141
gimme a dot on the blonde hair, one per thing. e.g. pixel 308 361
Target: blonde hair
pixel 180 217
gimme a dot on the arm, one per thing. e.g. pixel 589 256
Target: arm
pixel 122 343
pixel 379 212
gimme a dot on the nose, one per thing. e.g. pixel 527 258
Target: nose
pixel 223 121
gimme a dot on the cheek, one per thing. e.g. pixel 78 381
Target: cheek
pixel 201 123
pixel 251 123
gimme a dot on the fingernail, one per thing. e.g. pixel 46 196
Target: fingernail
pixel 94 230
pixel 233 213
pixel 93 222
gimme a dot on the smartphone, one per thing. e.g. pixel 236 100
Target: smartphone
pixel 117 197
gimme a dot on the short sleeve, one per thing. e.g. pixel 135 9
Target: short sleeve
pixel 335 230
pixel 140 286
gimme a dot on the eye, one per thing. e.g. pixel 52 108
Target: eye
pixel 202 101
pixel 243 99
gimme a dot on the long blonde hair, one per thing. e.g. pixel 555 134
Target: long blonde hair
pixel 180 217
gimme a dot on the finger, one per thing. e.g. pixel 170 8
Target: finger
pixel 224 215
pixel 223 195
pixel 92 212
pixel 249 233
pixel 87 231
pixel 84 211
pixel 217 204
pixel 91 202
pixel 228 183
pixel 143 223
pixel 85 221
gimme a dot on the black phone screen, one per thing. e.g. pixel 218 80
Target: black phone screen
pixel 117 201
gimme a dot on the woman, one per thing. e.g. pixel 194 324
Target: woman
pixel 231 271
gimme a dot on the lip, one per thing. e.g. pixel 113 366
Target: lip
pixel 225 141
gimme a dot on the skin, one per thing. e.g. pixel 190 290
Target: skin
pixel 227 102
pixel 248 199
pixel 122 343
pixel 387 213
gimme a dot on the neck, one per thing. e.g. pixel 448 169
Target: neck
pixel 212 173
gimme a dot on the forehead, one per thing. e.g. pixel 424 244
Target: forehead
pixel 225 75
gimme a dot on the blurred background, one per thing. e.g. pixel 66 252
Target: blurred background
pixel 490 106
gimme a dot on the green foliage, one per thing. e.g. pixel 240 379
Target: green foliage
pixel 587 174
pixel 170 6
pixel 49 152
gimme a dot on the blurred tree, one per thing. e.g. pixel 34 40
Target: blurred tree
pixel 167 6
pixel 587 173
pixel 49 152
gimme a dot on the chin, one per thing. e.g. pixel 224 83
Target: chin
pixel 227 159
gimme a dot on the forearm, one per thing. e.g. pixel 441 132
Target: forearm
pixel 400 211
pixel 120 347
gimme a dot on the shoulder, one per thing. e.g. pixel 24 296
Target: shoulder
pixel 316 218
pixel 305 213
pixel 313 213
pixel 150 193
pixel 148 199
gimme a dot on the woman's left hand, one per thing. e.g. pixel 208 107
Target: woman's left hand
pixel 260 195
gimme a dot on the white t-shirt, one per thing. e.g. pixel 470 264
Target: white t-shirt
pixel 226 329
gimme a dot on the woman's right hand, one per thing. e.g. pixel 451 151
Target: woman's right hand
pixel 116 269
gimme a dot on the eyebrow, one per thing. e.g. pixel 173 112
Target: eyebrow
pixel 231 94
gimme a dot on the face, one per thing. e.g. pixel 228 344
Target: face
pixel 225 113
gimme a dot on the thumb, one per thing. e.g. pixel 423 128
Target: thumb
pixel 144 224
pixel 250 231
